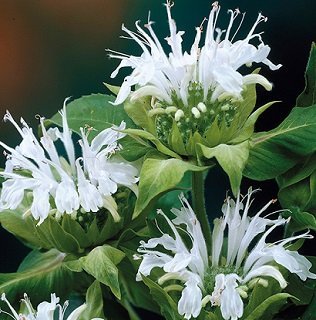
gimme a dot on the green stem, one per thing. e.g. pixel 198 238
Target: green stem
pixel 198 200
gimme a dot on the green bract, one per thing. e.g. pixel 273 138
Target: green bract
pixel 218 130
pixel 73 233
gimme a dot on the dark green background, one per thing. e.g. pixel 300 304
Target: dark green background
pixel 54 49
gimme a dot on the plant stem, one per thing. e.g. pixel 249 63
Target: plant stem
pixel 198 200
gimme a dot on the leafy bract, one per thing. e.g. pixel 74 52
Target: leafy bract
pixel 66 235
pixel 138 112
pixel 102 263
pixel 94 301
pixel 159 176
pixel 232 159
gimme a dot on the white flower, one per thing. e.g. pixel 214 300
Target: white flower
pixel 221 280
pixel 214 66
pixel 45 310
pixel 88 181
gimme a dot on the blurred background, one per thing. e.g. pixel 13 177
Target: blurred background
pixel 50 50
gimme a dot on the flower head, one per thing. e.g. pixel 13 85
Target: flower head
pixel 225 277
pixel 45 310
pixel 194 89
pixel 36 168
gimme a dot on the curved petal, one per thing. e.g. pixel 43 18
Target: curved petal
pixel 190 303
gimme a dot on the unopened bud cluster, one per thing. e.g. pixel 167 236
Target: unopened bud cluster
pixel 198 116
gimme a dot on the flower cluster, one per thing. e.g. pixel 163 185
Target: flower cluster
pixel 87 182
pixel 193 89
pixel 45 310
pixel 223 279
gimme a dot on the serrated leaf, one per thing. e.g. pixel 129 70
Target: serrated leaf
pixel 95 111
pixel 102 263
pixel 158 177
pixel 308 96
pixel 274 152
pixel 232 159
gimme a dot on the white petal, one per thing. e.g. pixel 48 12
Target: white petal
pixel 12 193
pixel 45 310
pixel 257 79
pixel 40 205
pixel 66 199
pixel 190 303
pixel 266 271
pixel 178 263
pixel 294 262
pixel 232 306
pixel 149 262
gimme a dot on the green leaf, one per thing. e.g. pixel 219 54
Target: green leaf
pixel 274 152
pixel 102 263
pixel 168 307
pixel 113 89
pixel 95 111
pixel 232 159
pixel 55 236
pixel 310 312
pixel 134 292
pixel 301 220
pixel 298 192
pixel 134 148
pixel 259 294
pixel 171 199
pixel 22 228
pixel 94 303
pixel 302 290
pixel 40 275
pixel 275 302
pixel 158 177
pixel 298 173
pixel 308 96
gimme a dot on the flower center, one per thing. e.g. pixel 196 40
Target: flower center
pixel 197 116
